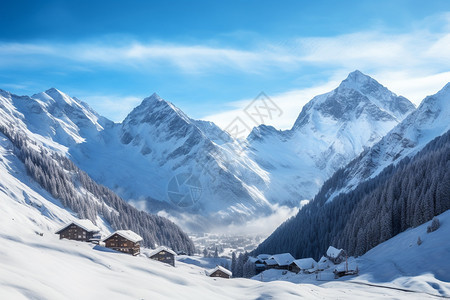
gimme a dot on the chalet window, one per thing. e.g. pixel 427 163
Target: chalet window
pixel 124 244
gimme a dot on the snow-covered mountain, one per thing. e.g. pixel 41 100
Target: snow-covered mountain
pixel 331 130
pixel 51 118
pixel 138 157
pixel 161 160
pixel 431 119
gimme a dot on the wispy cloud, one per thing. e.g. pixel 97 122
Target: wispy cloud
pixel 371 49
pixel 188 58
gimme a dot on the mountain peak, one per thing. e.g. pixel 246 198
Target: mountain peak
pixel 153 98
pixel 357 94
pixel 357 79
pixel 154 107
pixel 55 95
pixel 53 90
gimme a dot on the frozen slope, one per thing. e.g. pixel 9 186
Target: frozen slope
pixel 331 130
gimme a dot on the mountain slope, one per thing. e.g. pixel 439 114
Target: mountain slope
pixel 60 182
pixel 331 130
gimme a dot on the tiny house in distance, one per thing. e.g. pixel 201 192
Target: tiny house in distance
pixel 219 271
pixel 79 230
pixel 336 256
pixel 163 254
pixel 125 241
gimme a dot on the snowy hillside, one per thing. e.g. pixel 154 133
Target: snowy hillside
pixel 331 130
pixel 58 190
pixel 43 267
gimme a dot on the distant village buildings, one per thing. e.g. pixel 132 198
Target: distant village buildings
pixel 163 254
pixel 125 241
pixel 335 260
pixel 219 271
pixel 79 230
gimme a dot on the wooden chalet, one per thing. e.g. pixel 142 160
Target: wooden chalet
pixel 219 271
pixel 79 230
pixel 125 241
pixel 163 254
pixel 281 261
pixel 336 256
pixel 304 265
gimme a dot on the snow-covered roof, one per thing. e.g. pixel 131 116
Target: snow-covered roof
pixel 226 271
pixel 84 223
pixel 263 257
pixel 159 249
pixel 333 252
pixel 305 263
pixel 323 263
pixel 283 259
pixel 270 262
pixel 128 234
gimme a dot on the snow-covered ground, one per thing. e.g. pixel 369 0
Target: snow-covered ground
pixel 44 267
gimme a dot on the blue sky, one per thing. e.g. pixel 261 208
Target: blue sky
pixel 211 58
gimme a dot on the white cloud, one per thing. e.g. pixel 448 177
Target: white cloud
pixel 262 226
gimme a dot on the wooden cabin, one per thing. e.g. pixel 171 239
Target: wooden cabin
pixel 279 261
pixel 163 254
pixel 336 256
pixel 79 230
pixel 219 271
pixel 304 265
pixel 125 241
